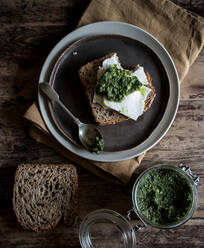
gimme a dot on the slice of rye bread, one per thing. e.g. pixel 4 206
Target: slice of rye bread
pixel 88 78
pixel 45 193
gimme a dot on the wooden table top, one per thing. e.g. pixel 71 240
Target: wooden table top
pixel 28 31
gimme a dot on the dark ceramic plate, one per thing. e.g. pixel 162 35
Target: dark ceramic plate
pixel 65 80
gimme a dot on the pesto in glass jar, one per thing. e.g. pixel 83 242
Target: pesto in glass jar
pixel 164 196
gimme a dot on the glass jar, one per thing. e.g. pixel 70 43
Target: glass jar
pixel 108 227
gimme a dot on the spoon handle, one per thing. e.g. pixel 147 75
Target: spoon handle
pixel 77 121
pixel 52 95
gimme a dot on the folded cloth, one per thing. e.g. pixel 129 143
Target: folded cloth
pixel 118 172
pixel 180 31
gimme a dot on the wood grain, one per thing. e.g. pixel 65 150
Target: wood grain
pixel 28 31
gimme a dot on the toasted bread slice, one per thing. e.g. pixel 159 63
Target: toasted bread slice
pixel 88 77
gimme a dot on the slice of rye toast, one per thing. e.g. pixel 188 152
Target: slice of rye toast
pixel 88 78
pixel 45 193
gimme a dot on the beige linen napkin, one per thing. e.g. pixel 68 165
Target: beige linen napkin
pixel 118 172
pixel 181 32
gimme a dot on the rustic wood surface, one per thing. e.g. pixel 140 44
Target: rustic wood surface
pixel 28 31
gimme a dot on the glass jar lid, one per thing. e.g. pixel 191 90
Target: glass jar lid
pixel 106 228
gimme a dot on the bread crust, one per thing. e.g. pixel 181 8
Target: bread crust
pixel 74 195
pixel 88 78
pixel 151 95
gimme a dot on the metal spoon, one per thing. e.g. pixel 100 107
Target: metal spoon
pixel 87 132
